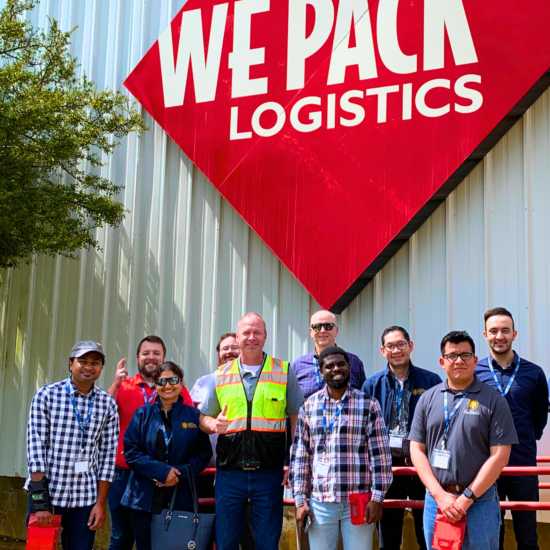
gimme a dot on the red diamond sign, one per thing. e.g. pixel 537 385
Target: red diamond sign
pixel 329 124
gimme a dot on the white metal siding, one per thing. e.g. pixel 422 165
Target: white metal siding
pixel 186 266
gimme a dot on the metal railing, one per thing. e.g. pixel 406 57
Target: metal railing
pixel 418 504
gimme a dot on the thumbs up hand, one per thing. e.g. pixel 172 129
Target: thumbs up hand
pixel 221 422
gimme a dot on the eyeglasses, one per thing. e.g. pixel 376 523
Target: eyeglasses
pixel 173 381
pixel 400 346
pixel 327 326
pixel 453 357
pixel 232 348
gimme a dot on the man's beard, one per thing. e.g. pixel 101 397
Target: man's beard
pixel 143 368
pixel 338 385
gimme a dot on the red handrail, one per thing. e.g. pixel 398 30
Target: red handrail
pixel 418 504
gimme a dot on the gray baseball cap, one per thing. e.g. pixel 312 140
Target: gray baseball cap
pixel 87 346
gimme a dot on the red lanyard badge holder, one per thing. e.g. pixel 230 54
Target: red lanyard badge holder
pixel 358 504
pixel 43 538
pixel 447 535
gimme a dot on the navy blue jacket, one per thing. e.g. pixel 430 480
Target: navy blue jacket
pixel 189 446
pixel 528 402
pixel 382 387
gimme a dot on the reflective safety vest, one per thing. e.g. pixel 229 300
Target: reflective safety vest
pixel 257 433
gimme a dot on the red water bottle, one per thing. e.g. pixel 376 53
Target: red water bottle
pixel 358 504
pixel 43 538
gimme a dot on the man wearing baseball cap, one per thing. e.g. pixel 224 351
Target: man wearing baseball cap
pixel 72 436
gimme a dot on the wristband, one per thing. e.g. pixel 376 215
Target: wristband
pixel 40 496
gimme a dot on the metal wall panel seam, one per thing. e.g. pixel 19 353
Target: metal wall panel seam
pixel 450 220
pixel 55 313
pixel 5 279
pixel 21 452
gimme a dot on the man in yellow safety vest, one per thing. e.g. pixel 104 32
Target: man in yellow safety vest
pixel 247 404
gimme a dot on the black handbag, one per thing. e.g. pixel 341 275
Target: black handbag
pixel 175 530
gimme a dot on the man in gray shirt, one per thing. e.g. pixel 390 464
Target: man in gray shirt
pixel 460 441
pixel 247 404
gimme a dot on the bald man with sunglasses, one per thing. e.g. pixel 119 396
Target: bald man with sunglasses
pixel 323 331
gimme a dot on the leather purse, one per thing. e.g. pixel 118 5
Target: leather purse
pixel 177 530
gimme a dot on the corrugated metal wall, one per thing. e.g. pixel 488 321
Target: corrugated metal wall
pixel 186 266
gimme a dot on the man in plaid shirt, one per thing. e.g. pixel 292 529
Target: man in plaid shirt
pixel 72 438
pixel 342 447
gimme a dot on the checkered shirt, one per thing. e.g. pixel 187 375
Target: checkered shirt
pixel 54 440
pixel 357 449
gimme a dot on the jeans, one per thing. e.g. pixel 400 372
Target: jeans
pixel 264 489
pixel 330 519
pixel 122 534
pixel 75 534
pixel 141 522
pixel 482 521
pixel 390 529
pixel 522 488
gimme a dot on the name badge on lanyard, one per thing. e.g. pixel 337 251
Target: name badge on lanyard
pixel 510 382
pixel 396 441
pixel 81 463
pixel 442 457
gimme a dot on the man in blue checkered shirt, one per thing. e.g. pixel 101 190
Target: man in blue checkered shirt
pixel 72 437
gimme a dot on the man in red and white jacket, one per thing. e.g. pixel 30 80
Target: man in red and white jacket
pixel 130 394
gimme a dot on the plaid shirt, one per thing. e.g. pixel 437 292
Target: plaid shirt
pixel 357 449
pixel 306 374
pixel 54 441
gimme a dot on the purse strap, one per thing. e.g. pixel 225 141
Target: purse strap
pixel 193 487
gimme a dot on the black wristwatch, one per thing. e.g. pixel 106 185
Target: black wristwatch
pixel 468 493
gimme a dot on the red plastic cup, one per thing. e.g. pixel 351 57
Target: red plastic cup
pixel 358 504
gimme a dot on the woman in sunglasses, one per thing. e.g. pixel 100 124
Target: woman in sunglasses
pixel 160 441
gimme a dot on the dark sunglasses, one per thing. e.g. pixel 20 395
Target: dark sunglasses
pixel 173 381
pixel 327 326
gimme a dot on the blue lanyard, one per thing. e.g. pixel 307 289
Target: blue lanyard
pixel 328 428
pixel 449 417
pixel 81 424
pixel 166 438
pixel 151 399
pixel 318 376
pixel 510 382
pixel 399 391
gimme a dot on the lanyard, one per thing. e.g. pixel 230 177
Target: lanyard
pixel 81 424
pixel 328 428
pixel 510 382
pixel 166 438
pixel 449 417
pixel 399 390
pixel 151 399
pixel 318 376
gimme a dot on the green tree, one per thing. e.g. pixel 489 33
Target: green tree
pixel 56 132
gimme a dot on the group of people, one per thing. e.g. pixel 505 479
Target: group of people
pixel 340 434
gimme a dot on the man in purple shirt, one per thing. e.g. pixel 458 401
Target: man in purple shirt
pixel 323 330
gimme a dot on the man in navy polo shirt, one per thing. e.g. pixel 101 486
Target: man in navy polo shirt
pixel 523 385
pixel 323 331
pixel 398 389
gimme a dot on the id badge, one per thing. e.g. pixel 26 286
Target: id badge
pixel 441 459
pixel 396 441
pixel 81 466
pixel 322 468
